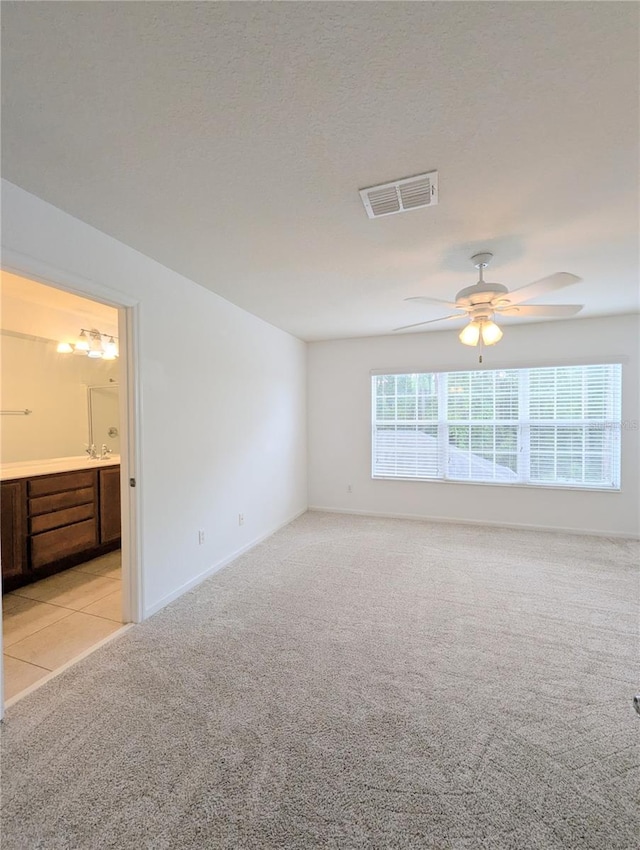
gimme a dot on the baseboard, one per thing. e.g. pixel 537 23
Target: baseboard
pixel 194 582
pixel 476 522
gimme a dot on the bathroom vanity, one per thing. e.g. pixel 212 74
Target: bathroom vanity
pixel 55 514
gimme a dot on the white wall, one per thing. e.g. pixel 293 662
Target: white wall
pixel 223 400
pixel 54 387
pixel 339 411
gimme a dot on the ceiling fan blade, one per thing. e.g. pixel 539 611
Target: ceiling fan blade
pixel 424 299
pixel 540 310
pixel 431 321
pixel 538 287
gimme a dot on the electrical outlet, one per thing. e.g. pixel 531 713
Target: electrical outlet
pixel 240 519
pixel 201 537
pixel 349 488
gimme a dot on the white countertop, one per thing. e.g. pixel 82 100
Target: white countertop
pixel 29 468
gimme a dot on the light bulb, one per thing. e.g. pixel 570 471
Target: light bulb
pixel 110 350
pixel 491 333
pixel 95 350
pixel 470 334
pixel 64 348
pixel 82 345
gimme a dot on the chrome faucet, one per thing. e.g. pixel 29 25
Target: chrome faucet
pixel 105 452
pixel 91 451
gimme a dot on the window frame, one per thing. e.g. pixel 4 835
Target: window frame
pixel 523 430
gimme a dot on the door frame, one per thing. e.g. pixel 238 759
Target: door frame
pixel 130 418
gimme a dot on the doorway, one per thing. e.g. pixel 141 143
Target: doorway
pixel 70 567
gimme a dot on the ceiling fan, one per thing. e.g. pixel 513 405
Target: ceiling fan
pixel 484 301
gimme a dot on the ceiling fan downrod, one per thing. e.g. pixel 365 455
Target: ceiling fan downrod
pixel 481 261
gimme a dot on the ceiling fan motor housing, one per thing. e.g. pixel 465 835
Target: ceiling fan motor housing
pixel 480 294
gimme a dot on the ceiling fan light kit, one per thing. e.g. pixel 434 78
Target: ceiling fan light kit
pixel 480 328
pixel 484 301
pixel 470 334
pixel 491 333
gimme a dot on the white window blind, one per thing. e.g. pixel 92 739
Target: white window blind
pixel 554 425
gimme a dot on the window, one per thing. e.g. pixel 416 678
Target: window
pixel 555 426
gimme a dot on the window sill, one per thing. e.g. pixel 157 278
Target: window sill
pixel 502 484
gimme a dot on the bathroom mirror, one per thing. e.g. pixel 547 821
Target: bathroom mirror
pixel 54 387
pixel 104 417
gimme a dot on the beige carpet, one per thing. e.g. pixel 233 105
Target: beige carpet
pixel 351 683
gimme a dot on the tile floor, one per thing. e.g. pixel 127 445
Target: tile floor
pixel 51 622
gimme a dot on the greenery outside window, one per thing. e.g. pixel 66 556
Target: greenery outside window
pixel 556 426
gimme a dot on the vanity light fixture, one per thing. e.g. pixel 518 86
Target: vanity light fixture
pixel 95 348
pixel 92 343
pixel 82 345
pixel 110 349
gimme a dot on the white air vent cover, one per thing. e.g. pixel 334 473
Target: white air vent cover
pixel 401 195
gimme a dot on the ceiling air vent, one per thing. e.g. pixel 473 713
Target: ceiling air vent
pixel 401 195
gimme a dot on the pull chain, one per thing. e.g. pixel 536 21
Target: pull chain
pixel 480 271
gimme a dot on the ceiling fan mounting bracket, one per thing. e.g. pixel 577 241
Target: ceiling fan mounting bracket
pixel 482 260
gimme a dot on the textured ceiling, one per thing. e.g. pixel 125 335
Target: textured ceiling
pixel 229 141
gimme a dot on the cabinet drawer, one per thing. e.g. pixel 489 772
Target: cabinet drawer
pixel 45 522
pixel 51 546
pixel 58 501
pixel 63 481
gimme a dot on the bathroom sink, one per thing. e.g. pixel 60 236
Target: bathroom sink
pixel 26 468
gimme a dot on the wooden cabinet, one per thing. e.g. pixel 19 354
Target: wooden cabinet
pixel 51 522
pixel 63 516
pixel 13 539
pixel 110 504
